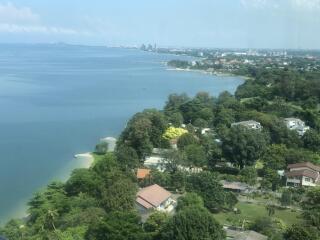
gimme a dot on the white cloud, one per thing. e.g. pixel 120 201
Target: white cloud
pixel 15 28
pixel 15 19
pixel 9 13
pixel 300 5
pixel 306 4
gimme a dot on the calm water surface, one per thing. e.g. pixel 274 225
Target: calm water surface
pixel 56 101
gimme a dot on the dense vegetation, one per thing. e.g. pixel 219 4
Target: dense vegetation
pixel 99 203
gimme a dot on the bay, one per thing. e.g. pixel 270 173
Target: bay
pixel 59 100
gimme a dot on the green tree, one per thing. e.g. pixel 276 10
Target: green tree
pixel 14 230
pixel 206 185
pixel 172 160
pixel 275 157
pixel 194 223
pixel 120 195
pixel 116 226
pixel 83 181
pixel 311 140
pixel 101 148
pixel 127 157
pixel 189 200
pixel 271 209
pixel 311 207
pixel 244 146
pixel 195 155
pixel 185 140
pixel 249 175
pixel 271 179
pixel 298 232
pixel 286 198
pixel 155 222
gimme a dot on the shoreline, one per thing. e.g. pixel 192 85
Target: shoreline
pixel 217 74
pixel 81 160
pixel 86 159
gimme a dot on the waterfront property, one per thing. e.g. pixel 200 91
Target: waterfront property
pixel 154 197
pixel 303 174
pixel 297 125
pixel 251 124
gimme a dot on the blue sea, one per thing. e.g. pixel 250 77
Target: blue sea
pixel 59 100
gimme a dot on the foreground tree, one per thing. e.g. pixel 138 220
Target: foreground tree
pixel 244 146
pixel 189 200
pixel 119 196
pixel 192 223
pixel 297 232
pixel 206 185
pixel 311 207
pixel 116 226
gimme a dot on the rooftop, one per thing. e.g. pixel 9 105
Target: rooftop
pixel 244 235
pixel 142 173
pixel 304 164
pixel 234 185
pixel 152 196
pixel 306 173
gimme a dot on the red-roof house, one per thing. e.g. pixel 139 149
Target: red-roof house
pixel 303 174
pixel 155 197
pixel 142 173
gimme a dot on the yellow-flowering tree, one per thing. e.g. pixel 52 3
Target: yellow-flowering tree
pixel 172 133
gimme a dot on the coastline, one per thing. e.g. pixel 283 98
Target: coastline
pixel 217 74
pixel 85 159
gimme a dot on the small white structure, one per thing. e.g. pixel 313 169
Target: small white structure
pixel 303 174
pixel 205 131
pixel 155 197
pixel 296 124
pixel 248 124
pixel 156 160
pixel 111 143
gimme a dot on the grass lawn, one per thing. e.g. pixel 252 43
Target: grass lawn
pixel 251 211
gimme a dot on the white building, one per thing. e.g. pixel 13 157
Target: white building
pixel 156 160
pixel 297 125
pixel 303 174
pixel 248 124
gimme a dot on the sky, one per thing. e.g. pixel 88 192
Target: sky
pixel 167 23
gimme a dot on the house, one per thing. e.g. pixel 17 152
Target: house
pixel 154 197
pixel 156 159
pixel 248 124
pixel 233 234
pixel 235 186
pixel 142 173
pixel 303 174
pixel 296 124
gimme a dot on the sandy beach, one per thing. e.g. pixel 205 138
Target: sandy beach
pixel 85 159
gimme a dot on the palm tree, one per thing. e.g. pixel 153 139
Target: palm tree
pixel 271 209
pixel 50 218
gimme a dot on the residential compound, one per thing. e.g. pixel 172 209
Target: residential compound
pixel 248 124
pixel 296 124
pixel 303 174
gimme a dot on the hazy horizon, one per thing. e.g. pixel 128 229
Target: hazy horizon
pixel 258 24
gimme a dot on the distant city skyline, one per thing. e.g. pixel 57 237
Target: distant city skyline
pixel 276 24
